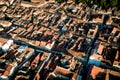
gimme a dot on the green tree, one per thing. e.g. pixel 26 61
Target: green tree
pixel 103 3
pixel 77 1
pixel 113 3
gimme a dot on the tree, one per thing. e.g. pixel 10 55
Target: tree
pixel 60 1
pixel 101 3
pixel 77 1
pixel 113 3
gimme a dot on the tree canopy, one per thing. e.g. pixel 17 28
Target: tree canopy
pixel 101 3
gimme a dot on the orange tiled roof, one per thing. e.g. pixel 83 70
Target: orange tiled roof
pixel 54 37
pixel 95 71
pixel 100 49
pixel 7 71
pixel 30 51
pixel 41 1
pixel 30 28
pixel 2 2
pixel 119 35
pixel 42 29
pixel 114 30
pixel 96 56
pixel 63 71
pixel 44 56
pixel 42 43
pixel 47 32
pixel 3 40
pixel 98 20
pixel 49 45
pixel 29 4
pixel 37 43
pixel 69 0
pixel 117 55
pixel 73 63
pixel 109 21
pixel 114 73
pixel 3 8
pixel 2 15
pixel 5 23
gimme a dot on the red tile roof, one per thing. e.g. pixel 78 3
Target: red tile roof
pixel 43 43
pixel 3 40
pixel 73 63
pixel 2 15
pixel 7 71
pixel 100 49
pixel 41 1
pixel 63 71
pixel 95 71
pixel 48 32
pixel 44 56
pixel 98 20
pixel 30 51
pixel 42 29
pixel 37 43
pixel 54 37
pixel 114 30
pixel 3 8
pixel 96 56
pixel 5 23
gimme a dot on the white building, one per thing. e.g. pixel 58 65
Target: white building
pixel 7 45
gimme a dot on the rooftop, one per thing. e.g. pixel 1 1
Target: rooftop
pixel 49 40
